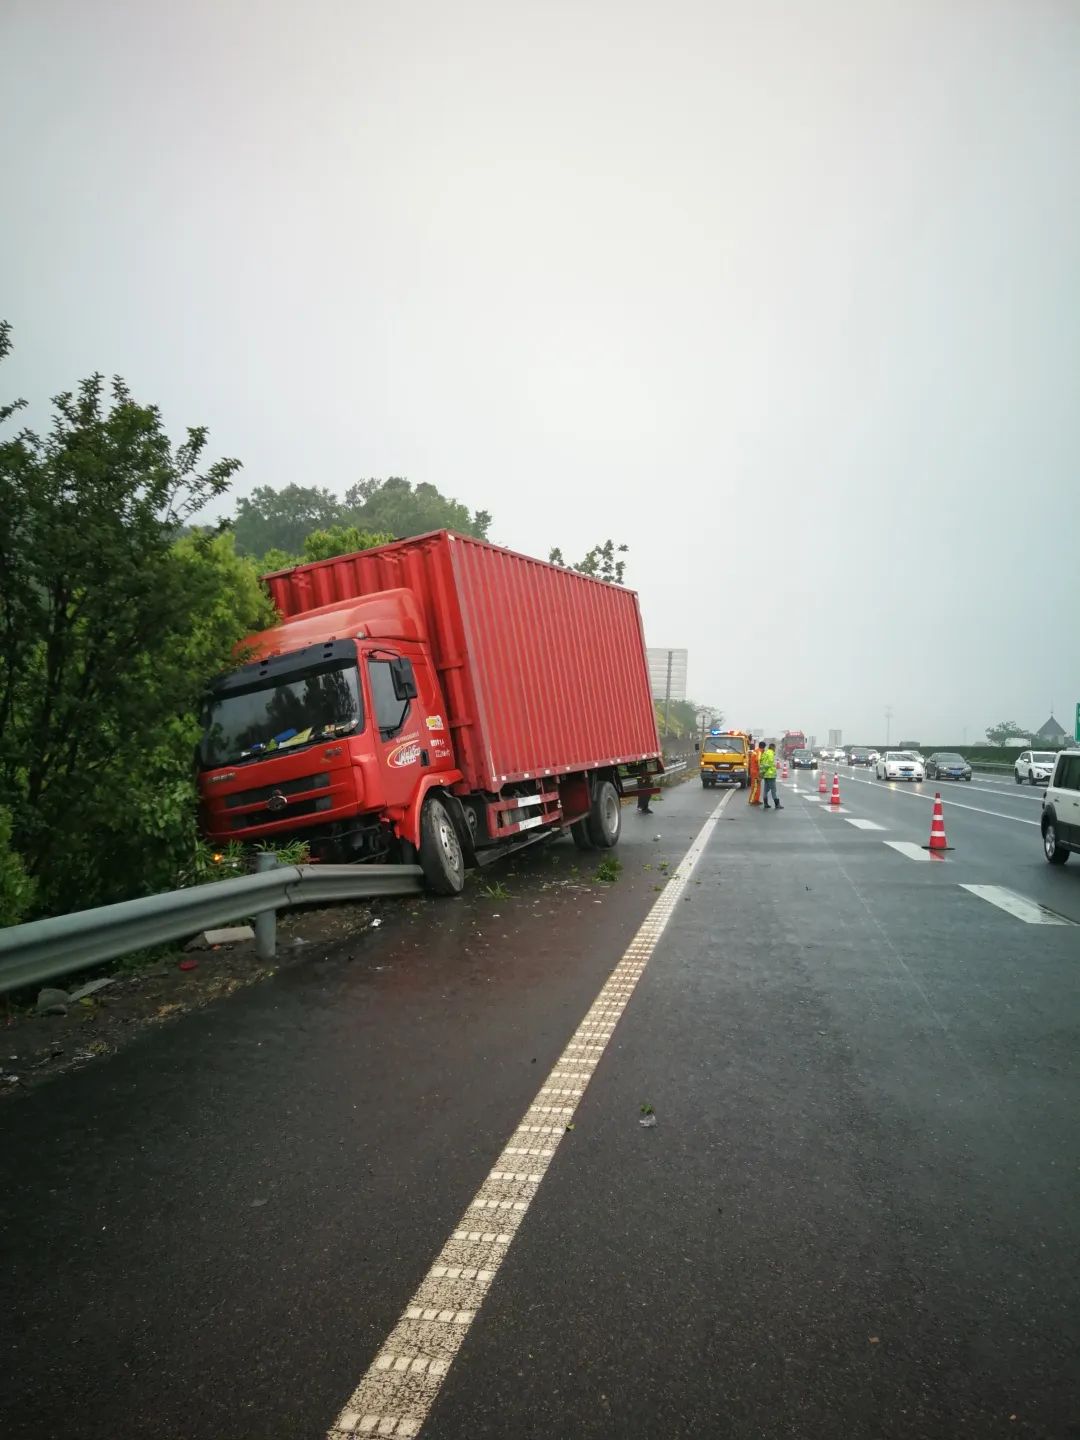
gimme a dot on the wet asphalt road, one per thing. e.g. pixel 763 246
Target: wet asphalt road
pixel 856 1215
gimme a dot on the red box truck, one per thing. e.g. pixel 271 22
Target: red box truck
pixel 437 699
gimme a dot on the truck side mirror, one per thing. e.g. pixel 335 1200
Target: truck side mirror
pixel 401 672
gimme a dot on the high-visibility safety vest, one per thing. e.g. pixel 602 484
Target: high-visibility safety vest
pixel 768 764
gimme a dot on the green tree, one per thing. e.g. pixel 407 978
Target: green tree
pixel 396 506
pixel 113 613
pixel 682 720
pixel 1004 731
pixel 600 562
pixel 270 519
pixel 340 540
pixel 277 522
pixel 17 890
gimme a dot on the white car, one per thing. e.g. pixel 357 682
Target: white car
pixel 1035 766
pixel 875 756
pixel 899 765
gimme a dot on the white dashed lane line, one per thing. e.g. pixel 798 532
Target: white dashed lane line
pixel 1013 904
pixel 911 850
pixel 865 824
pixel 400 1386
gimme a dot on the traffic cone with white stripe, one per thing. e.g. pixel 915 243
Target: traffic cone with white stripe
pixel 937 839
pixel 834 798
pixel 822 788
pixel 784 775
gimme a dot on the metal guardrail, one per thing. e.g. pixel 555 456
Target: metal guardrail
pixel 63 944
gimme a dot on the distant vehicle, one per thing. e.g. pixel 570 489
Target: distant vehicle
pixel 859 755
pixel 1061 809
pixel 1034 766
pixel 875 756
pixel 803 760
pixel 947 765
pixel 724 759
pixel 899 765
pixel 792 740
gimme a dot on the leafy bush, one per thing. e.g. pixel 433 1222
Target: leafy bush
pixel 16 888
pixel 114 612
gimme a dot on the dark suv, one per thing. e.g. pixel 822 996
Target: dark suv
pixel 859 755
pixel 1061 809
pixel 803 760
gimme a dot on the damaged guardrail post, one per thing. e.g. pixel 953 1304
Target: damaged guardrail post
pixel 266 920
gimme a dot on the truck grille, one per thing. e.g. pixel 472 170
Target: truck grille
pixel 287 787
pixel 291 812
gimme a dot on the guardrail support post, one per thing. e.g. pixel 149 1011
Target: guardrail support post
pixel 266 920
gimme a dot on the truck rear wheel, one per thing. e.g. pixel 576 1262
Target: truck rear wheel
pixel 441 857
pixel 579 833
pixel 605 816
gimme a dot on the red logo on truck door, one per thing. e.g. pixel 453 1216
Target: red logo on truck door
pixel 407 753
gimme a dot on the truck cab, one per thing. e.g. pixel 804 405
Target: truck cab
pixel 331 732
pixel 725 759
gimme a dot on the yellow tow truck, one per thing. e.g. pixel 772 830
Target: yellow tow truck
pixel 724 759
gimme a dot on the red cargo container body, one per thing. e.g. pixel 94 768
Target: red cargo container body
pixel 543 669
pixel 529 708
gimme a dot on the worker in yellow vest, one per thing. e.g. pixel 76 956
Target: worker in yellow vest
pixel 768 776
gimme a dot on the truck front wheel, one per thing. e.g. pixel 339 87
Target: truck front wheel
pixel 441 857
pixel 605 816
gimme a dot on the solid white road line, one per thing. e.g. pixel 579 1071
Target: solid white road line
pixel 910 849
pixel 865 824
pixel 401 1384
pixel 1018 905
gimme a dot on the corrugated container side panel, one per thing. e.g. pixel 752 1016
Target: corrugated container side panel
pixel 542 669
pixel 561 669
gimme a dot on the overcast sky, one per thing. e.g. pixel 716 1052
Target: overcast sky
pixel 784 296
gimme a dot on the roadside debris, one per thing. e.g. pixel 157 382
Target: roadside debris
pixel 230 935
pixel 91 987
pixel 51 1001
pixel 647 1121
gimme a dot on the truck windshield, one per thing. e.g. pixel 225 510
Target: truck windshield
pixel 280 715
pixel 725 744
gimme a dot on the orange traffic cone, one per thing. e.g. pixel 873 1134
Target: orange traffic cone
pixel 834 798
pixel 784 775
pixel 822 788
pixel 937 839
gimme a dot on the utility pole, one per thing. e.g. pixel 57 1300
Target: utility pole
pixel 888 725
